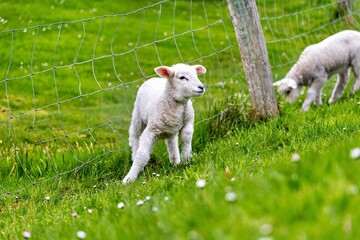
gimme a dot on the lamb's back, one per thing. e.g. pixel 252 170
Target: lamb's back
pixel 339 47
pixel 332 53
pixel 148 98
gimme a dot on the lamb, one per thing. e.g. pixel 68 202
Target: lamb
pixel 162 109
pixel 317 63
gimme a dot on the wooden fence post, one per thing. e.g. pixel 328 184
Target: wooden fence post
pixel 344 10
pixel 254 55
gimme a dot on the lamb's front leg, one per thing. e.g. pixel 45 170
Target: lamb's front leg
pixel 173 149
pixel 186 137
pixel 313 93
pixel 146 144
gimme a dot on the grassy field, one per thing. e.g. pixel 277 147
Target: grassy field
pixel 69 71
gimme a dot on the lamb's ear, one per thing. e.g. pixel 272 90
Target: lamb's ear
pixel 291 83
pixel 278 83
pixel 200 69
pixel 164 71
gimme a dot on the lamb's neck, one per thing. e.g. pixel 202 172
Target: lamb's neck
pixel 173 97
pixel 295 74
pixel 303 70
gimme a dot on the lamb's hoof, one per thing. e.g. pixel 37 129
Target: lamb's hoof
pixel 186 157
pixel 128 179
pixel 175 161
pixel 305 109
pixel 186 161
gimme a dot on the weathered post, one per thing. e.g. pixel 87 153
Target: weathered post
pixel 254 55
pixel 344 10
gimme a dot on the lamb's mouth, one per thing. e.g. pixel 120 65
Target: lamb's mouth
pixel 199 92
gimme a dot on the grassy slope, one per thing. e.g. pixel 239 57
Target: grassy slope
pixel 315 198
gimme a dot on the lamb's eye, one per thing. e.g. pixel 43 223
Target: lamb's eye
pixel 288 92
pixel 183 78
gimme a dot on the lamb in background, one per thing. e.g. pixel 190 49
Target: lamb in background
pixel 318 62
pixel 162 109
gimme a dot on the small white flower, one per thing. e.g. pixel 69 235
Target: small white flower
pixel 358 103
pixel 232 179
pixel 230 197
pixel 155 209
pixel 47 198
pixel 353 189
pixel 140 202
pixel 26 234
pixel 154 174
pixel 166 198
pixel 265 238
pixel 355 153
pixel 158 175
pixel 147 198
pixel 266 229
pixel 121 205
pixel 200 183
pixel 81 234
pixel 344 129
pixel 295 157
pixel 90 210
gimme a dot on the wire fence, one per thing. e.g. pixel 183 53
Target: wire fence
pixel 68 87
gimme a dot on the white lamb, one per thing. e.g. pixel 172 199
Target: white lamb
pixel 318 62
pixel 162 109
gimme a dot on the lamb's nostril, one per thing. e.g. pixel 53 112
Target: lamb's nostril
pixel 201 87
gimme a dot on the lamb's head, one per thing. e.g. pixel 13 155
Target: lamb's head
pixel 289 88
pixel 183 79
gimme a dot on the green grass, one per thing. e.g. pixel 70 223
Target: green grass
pixel 64 115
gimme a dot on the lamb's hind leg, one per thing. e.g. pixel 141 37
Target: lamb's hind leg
pixel 186 137
pixel 318 100
pixel 142 157
pixel 135 130
pixel 341 82
pixel 173 149
pixel 356 85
